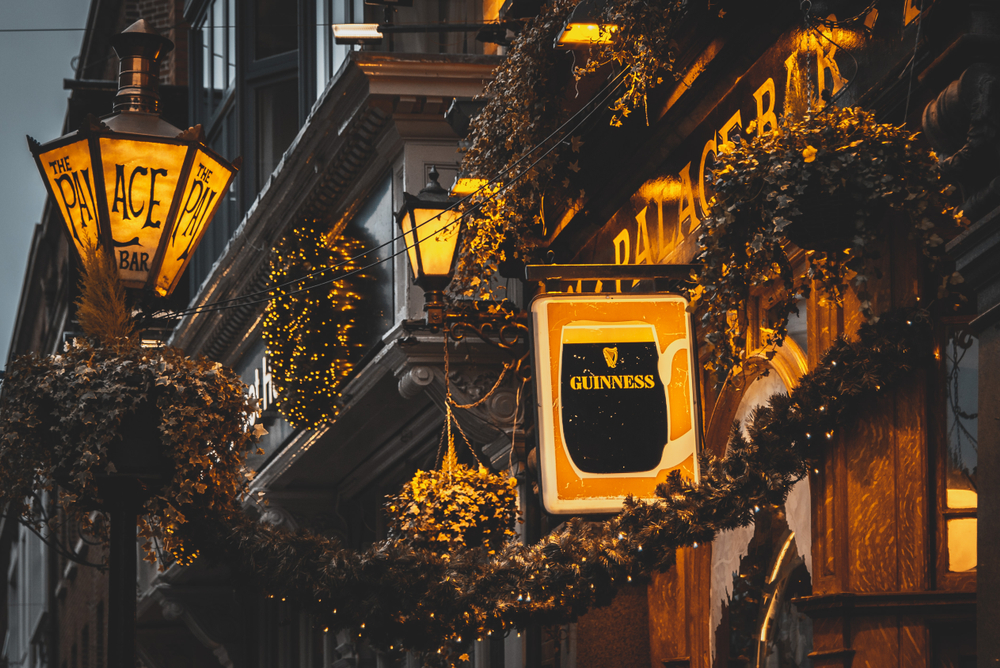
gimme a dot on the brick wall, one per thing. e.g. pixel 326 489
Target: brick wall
pixel 83 613
pixel 167 17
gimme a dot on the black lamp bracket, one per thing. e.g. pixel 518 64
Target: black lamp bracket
pixel 498 324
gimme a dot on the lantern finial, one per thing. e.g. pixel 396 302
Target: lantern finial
pixel 139 47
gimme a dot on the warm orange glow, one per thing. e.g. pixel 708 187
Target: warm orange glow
pixel 464 187
pixel 585 34
pixel 436 240
pixel 140 180
pixel 146 200
pixel 70 177
pixel 205 189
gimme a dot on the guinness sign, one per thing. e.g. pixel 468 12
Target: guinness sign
pixel 616 388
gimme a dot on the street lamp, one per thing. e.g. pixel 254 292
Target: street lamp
pixel 430 224
pixel 132 184
pixel 134 187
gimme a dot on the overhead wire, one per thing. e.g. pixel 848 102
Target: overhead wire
pixel 248 299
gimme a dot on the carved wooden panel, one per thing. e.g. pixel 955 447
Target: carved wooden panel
pixel 669 623
pixel 871 493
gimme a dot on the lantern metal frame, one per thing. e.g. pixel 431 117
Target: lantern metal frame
pixel 500 325
pixel 136 119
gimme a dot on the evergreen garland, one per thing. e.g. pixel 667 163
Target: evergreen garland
pixel 398 596
pixel 312 336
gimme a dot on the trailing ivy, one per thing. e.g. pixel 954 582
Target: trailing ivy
pixel 524 105
pixel 61 418
pixel 832 183
pixel 399 595
pixel 528 99
pixel 642 45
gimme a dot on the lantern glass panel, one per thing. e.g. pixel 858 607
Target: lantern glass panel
pixel 70 176
pixel 411 243
pixel 205 188
pixel 140 179
pixel 437 231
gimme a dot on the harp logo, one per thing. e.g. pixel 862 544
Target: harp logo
pixel 611 357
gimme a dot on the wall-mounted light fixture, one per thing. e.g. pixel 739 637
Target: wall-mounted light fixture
pixel 356 33
pixel 372 33
pixel 584 27
pixel 430 224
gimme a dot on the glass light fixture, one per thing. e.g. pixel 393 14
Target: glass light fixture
pixel 430 227
pixel 356 33
pixel 583 27
pixel 132 184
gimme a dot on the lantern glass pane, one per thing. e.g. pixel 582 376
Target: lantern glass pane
pixel 411 242
pixel 437 231
pixel 140 180
pixel 70 176
pixel 204 190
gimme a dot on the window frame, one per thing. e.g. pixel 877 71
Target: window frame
pixel 946 579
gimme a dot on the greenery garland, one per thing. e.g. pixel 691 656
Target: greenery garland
pixel 313 336
pixel 526 101
pixel 399 596
pixel 524 105
pixel 68 418
pixel 825 182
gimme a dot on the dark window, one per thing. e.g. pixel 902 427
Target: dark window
pixel 99 654
pixel 277 124
pixel 961 367
pixel 277 29
pixel 218 56
pixel 85 646
pixel 373 226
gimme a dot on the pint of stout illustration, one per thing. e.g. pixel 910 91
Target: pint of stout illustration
pixel 613 400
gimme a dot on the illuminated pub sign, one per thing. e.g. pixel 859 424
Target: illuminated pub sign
pixel 128 191
pixel 616 397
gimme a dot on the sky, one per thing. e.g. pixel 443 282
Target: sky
pixel 32 102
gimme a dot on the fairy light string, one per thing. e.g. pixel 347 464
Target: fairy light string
pixel 413 595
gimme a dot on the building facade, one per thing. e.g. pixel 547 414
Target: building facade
pixel 872 559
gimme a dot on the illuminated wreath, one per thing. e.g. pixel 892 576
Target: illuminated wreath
pixel 312 323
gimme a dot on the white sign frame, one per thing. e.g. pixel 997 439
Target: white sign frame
pixel 565 489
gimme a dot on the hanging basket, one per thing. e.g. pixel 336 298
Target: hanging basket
pixel 117 424
pixel 454 507
pixel 830 223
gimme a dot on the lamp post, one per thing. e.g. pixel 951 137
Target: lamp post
pixel 134 187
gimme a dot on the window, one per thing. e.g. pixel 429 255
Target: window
pixel 330 56
pixel 213 108
pixel 277 28
pixel 277 123
pixel 85 646
pixel 374 227
pixel 960 356
pixel 99 654
pixel 431 12
pixel 217 34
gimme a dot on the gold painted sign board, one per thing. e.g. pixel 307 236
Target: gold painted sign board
pixel 616 387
